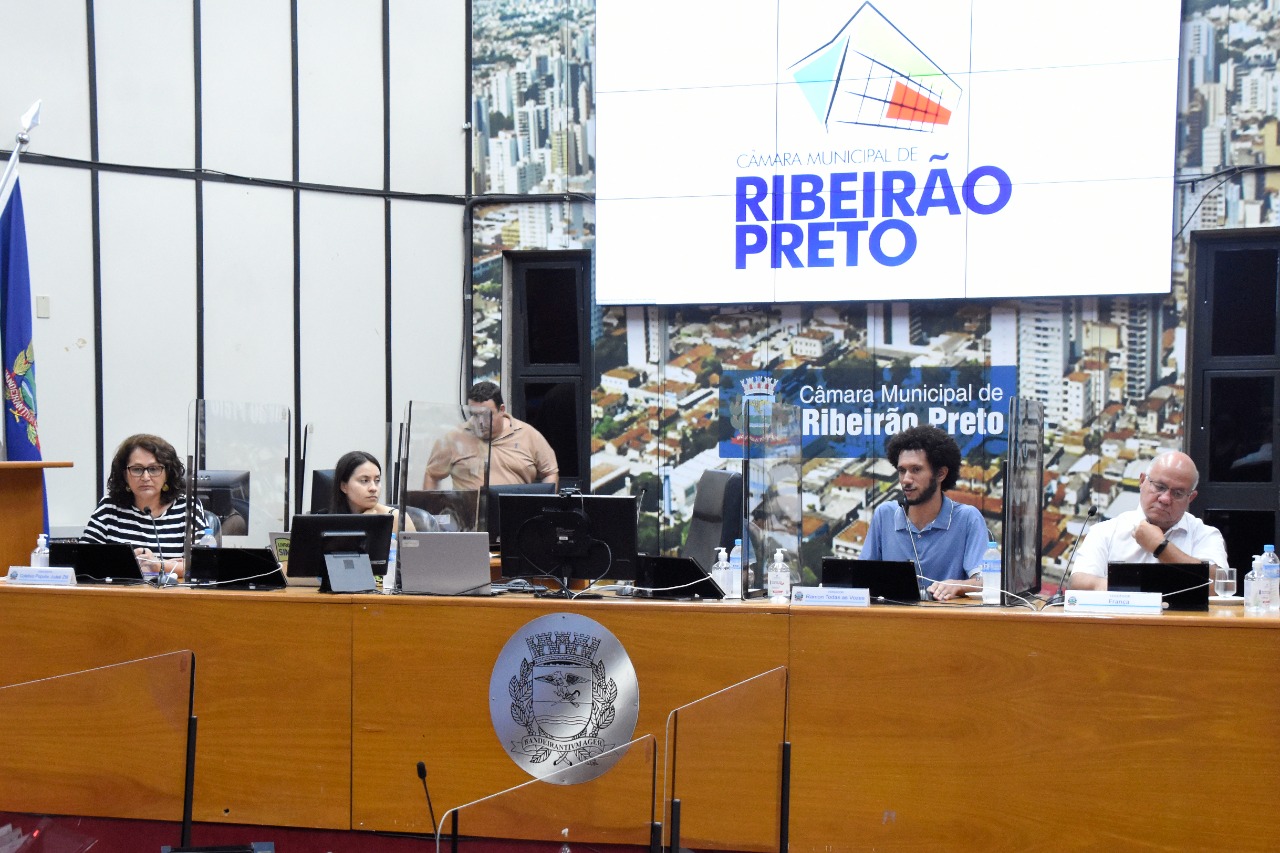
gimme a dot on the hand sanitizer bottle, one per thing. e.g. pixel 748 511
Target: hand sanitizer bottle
pixel 779 579
pixel 722 574
pixel 40 556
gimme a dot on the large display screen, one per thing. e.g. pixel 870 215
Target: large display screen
pixel 811 150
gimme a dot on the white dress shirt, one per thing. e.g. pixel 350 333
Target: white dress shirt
pixel 1112 541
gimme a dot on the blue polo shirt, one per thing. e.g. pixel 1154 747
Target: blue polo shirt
pixel 950 547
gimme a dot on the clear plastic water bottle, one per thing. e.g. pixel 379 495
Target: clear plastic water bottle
pixel 735 564
pixel 1257 593
pixel 1271 574
pixel 779 579
pixel 991 574
pixel 389 578
pixel 40 555
pixel 207 539
pixel 724 576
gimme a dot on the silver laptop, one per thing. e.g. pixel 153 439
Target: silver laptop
pixel 444 563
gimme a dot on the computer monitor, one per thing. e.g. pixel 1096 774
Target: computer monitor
pixel 570 536
pixel 454 510
pixel 493 513
pixel 225 493
pixel 311 537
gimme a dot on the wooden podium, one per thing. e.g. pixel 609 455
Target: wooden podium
pixel 21 510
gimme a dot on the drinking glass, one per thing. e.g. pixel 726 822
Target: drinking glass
pixel 1224 581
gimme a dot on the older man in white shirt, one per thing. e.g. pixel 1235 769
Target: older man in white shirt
pixel 1159 531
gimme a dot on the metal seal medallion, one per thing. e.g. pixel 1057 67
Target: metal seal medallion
pixel 563 691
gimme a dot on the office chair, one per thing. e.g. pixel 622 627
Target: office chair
pixel 717 516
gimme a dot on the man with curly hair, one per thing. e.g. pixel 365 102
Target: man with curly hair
pixel 945 540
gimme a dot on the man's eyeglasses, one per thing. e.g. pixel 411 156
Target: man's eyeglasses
pixel 1158 488
pixel 151 471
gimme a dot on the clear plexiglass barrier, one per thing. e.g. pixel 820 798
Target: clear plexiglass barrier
pixel 241 457
pixel 725 760
pixel 107 741
pixel 616 807
pixel 768 441
pixel 444 463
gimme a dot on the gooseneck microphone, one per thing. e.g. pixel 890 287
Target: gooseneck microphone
pixel 422 774
pixel 1066 574
pixel 162 578
pixel 902 504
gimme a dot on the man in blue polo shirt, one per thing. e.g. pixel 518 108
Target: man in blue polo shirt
pixel 945 540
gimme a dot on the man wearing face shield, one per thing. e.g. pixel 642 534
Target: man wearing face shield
pixel 517 452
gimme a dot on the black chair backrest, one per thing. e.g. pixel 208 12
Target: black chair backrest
pixel 717 516
pixel 321 489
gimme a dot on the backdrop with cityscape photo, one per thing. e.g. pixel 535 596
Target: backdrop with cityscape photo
pixel 1110 371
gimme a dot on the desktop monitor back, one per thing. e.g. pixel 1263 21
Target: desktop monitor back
pixel 584 537
pixel 493 503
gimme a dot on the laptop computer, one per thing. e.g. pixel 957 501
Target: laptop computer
pixel 1182 586
pixel 235 568
pixel 436 563
pixel 98 562
pixel 679 578
pixel 888 581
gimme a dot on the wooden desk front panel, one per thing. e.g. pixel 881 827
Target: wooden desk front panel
pixel 921 729
pixel 273 687
pixel 421 692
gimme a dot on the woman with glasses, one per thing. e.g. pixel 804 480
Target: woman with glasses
pixel 357 486
pixel 145 505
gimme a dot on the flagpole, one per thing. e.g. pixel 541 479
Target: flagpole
pixel 29 120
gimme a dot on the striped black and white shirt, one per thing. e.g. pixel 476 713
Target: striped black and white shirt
pixel 112 522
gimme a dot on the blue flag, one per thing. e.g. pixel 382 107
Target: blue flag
pixel 22 441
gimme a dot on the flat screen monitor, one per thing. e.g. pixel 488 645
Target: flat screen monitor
pixel 454 510
pixel 1024 476
pixel 313 536
pixel 225 493
pixel 574 536
pixel 493 503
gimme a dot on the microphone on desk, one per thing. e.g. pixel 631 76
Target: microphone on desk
pixel 422 774
pixel 162 578
pixel 902 504
pixel 1061 595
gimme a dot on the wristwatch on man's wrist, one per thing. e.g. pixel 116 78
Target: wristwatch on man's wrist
pixel 1159 549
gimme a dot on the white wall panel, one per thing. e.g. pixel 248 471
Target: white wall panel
pixel 246 87
pixel 146 96
pixel 60 255
pixel 148 307
pixel 340 92
pixel 343 303
pixel 248 294
pixel 426 303
pixel 43 56
pixel 428 96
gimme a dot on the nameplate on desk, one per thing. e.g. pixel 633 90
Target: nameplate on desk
pixel 42 575
pixel 831 596
pixel 1101 601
